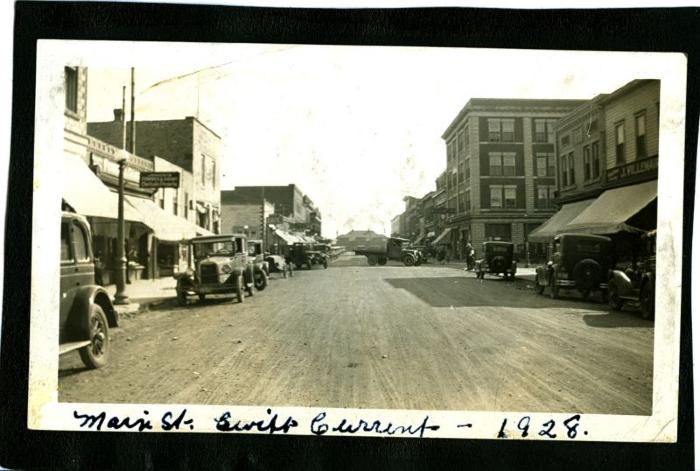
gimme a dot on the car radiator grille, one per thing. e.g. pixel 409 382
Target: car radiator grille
pixel 208 273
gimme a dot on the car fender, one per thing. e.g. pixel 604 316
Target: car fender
pixel 543 274
pixel 621 281
pixel 77 324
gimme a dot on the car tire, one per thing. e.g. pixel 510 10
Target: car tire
pixel 261 281
pixel 382 261
pixel 96 354
pixel 408 261
pixel 614 297
pixel 539 289
pixel 202 296
pixel 325 263
pixel 646 302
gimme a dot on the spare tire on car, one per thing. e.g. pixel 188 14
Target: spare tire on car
pixel 498 264
pixel 587 274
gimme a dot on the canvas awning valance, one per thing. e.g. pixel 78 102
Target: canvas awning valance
pixel 87 195
pixel 556 223
pixel 442 238
pixel 286 236
pixel 165 226
pixel 611 211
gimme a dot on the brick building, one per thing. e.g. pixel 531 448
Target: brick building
pixel 500 170
pixel 608 151
pixel 186 143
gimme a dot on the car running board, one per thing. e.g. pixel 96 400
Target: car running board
pixel 69 347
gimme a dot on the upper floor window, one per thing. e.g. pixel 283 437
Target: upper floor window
pixel 620 142
pixel 587 163
pixel 544 129
pixel 577 135
pixel 545 196
pixel 640 124
pixel 502 164
pixel 595 156
pixel 565 140
pixel 72 89
pixel 501 129
pixel 460 142
pixel 545 164
pixel 572 173
pixel 503 196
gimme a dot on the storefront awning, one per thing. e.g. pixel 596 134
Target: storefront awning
pixel 286 236
pixel 609 213
pixel 556 223
pixel 87 195
pixel 442 238
pixel 166 227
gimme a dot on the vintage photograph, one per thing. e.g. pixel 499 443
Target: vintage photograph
pixel 358 227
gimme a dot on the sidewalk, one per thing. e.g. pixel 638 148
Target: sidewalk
pixel 526 274
pixel 142 293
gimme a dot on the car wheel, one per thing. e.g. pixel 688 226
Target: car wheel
pixel 96 354
pixel 261 281
pixel 325 263
pixel 614 297
pixel 553 288
pixel 646 302
pixel 240 294
pixel 382 261
pixel 408 261
pixel 202 296
pixel 585 294
pixel 539 289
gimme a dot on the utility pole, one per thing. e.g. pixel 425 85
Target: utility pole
pixel 132 147
pixel 120 296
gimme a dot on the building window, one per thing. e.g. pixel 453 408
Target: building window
pixel 213 174
pixel 544 129
pixel 640 124
pixel 587 165
pixel 496 196
pixel 572 174
pixel 497 232
pixel 509 196
pixel 542 196
pixel 503 196
pixel 595 155
pixel 577 135
pixel 564 170
pixel 502 164
pixel 465 137
pixel 186 205
pixel 620 142
pixel 501 130
pixel 545 164
pixel 565 140
pixel 176 202
pixel 203 169
pixel 460 142
pixel 72 89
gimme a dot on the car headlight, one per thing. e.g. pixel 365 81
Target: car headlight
pixel 226 268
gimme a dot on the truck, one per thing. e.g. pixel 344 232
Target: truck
pixel 395 248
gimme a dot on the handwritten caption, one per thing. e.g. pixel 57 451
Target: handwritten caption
pixel 272 423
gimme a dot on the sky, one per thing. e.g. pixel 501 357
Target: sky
pixel 356 127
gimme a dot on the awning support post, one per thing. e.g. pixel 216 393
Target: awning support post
pixel 120 297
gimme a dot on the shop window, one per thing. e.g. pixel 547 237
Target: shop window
pixel 71 79
pixel 497 232
pixel 640 124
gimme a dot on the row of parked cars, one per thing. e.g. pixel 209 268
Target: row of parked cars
pixel 585 263
pixel 217 264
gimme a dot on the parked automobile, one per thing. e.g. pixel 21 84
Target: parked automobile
pixel 261 268
pixel 395 248
pixel 497 259
pixel 636 284
pixel 278 264
pixel 86 312
pixel 216 264
pixel 304 255
pixel 577 261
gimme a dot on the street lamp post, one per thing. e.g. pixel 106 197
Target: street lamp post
pixel 120 297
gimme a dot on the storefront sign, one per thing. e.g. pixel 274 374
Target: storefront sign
pixel 633 169
pixel 159 180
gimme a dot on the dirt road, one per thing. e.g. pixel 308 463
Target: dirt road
pixel 425 337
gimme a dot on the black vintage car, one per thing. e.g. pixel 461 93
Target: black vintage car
pixel 578 261
pixel 635 284
pixel 86 312
pixel 498 259
pixel 303 255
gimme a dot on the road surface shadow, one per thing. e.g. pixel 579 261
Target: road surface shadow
pixel 452 292
pixel 615 319
pixel 63 373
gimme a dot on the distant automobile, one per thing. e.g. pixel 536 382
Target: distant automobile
pixel 304 255
pixel 636 284
pixel 578 261
pixel 395 248
pixel 86 311
pixel 497 260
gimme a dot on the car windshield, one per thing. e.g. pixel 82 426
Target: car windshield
pixel 588 247
pixel 208 249
pixel 499 249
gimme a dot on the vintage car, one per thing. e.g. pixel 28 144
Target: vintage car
pixel 303 255
pixel 396 248
pixel 497 259
pixel 578 261
pixel 636 284
pixel 217 264
pixel 261 268
pixel 86 312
